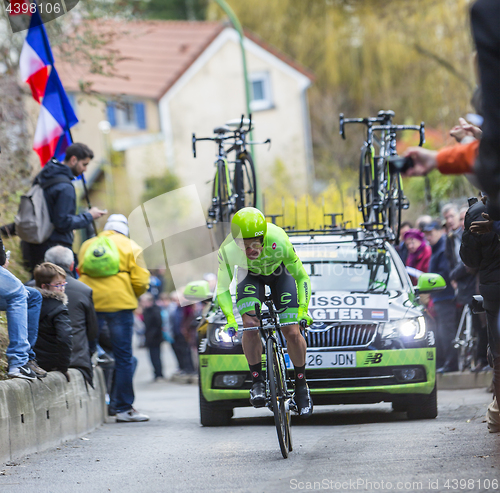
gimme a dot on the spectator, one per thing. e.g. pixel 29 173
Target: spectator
pixel 401 247
pixel 422 221
pixel 180 345
pixel 454 237
pixel 154 332
pixel 462 213
pixel 61 202
pixel 164 302
pixel 55 340
pixel 485 19
pixel 443 301
pixel 23 312
pixel 115 299
pixel 81 312
pixel 419 254
pixel 482 252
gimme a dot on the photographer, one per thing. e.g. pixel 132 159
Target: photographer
pixel 482 252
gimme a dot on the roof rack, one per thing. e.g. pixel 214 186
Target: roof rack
pixel 364 233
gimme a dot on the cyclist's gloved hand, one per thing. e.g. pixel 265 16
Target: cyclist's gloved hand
pixel 303 315
pixel 231 327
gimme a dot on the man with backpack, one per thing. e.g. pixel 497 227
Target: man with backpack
pixel 111 266
pixel 48 219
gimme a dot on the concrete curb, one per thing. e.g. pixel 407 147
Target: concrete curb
pixel 456 380
pixel 37 415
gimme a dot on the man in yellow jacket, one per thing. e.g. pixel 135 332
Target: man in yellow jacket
pixel 115 299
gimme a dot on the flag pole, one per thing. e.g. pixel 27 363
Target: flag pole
pixel 84 185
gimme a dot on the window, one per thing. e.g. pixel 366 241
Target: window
pixel 260 87
pixel 126 115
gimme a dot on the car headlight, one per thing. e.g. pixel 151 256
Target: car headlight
pixel 407 328
pixel 219 337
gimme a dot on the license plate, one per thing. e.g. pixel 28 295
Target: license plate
pixel 318 359
pixel 331 359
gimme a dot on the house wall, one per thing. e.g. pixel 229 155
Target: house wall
pixel 122 191
pixel 214 94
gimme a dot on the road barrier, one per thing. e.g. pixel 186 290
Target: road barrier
pixel 40 414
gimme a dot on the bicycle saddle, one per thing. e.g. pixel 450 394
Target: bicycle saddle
pixel 222 129
pixel 386 113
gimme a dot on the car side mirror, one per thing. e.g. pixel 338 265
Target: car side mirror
pixel 197 291
pixel 430 282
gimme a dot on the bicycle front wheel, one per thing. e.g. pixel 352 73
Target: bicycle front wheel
pixel 279 398
pixel 245 185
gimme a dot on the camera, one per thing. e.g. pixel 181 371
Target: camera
pixel 398 164
pixel 472 200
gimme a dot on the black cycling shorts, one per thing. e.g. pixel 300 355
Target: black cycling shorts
pixel 251 289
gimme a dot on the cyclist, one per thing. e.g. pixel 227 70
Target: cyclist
pixel 264 255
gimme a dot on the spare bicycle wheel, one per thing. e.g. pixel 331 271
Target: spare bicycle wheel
pixel 395 204
pixel 366 182
pixel 279 398
pixel 225 208
pixel 249 182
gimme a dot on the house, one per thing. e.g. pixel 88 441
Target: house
pixel 175 78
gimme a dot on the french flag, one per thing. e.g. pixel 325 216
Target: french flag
pixel 36 57
pixel 52 135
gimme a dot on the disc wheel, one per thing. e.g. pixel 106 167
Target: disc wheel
pixel 395 204
pixel 365 183
pixel 220 211
pixel 279 398
pixel 244 182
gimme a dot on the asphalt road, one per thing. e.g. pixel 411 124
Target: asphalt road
pixel 341 448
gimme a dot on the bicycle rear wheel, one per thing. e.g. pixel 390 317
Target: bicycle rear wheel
pixel 279 397
pixel 245 185
pixel 223 209
pixel 366 182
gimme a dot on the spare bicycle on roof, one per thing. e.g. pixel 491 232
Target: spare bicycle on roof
pixel 233 187
pixel 380 191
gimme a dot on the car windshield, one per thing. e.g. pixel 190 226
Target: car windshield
pixel 350 267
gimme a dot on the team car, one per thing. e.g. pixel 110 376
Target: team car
pixel 369 342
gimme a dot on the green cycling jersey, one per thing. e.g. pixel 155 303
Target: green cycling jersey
pixel 277 249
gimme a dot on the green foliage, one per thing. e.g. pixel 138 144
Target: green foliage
pixel 367 55
pixel 157 185
pixel 175 9
pixel 440 189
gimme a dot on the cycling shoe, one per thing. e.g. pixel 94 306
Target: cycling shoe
pixel 303 401
pixel 258 394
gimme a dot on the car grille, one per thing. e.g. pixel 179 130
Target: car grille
pixel 355 377
pixel 341 335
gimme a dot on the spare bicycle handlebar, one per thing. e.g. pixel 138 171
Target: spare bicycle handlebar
pixel 221 139
pixel 397 128
pixel 383 116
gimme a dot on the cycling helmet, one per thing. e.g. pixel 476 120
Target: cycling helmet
pixel 248 223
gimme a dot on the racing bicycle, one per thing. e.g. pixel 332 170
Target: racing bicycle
pixel 465 341
pixel 279 386
pixel 381 193
pixel 231 190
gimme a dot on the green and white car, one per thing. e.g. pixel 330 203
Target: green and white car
pixel 369 342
